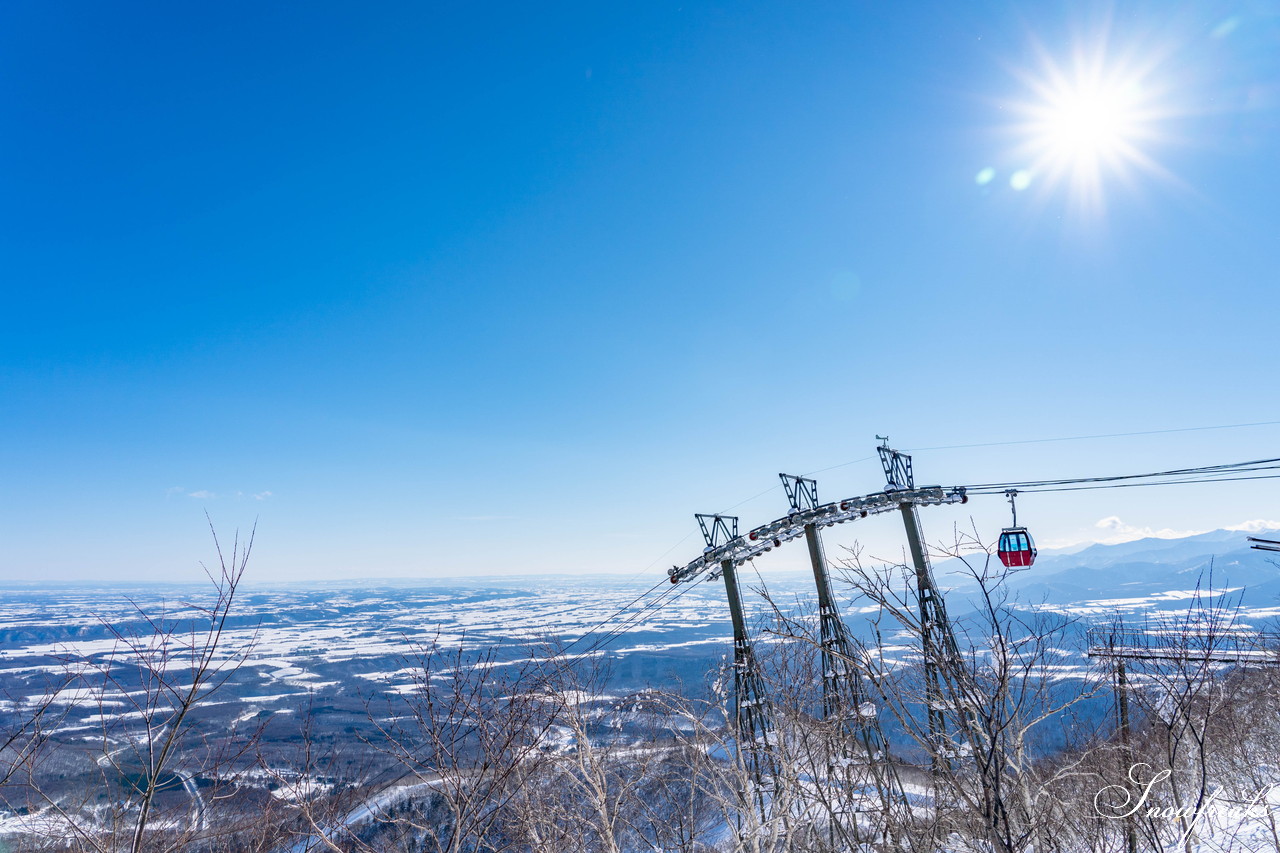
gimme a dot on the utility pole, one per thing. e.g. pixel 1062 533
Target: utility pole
pixel 754 727
pixel 1122 709
pixel 1120 645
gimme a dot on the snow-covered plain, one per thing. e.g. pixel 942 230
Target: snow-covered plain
pixel 301 644
pixel 343 654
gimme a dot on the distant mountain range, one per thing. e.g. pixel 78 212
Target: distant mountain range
pixel 1142 569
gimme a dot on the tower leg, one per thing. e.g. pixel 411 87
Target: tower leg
pixel 937 640
pixel 843 695
pixel 754 728
pixel 842 689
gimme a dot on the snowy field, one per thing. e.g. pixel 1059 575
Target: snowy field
pixel 336 646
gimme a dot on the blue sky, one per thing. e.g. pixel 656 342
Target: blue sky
pixel 444 290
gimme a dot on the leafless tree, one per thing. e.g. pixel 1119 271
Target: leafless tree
pixel 466 736
pixel 29 722
pixel 715 775
pixel 149 688
pixel 1178 672
pixel 998 693
pixel 848 791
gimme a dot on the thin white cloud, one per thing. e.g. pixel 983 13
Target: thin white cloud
pixel 1256 525
pixel 1117 531
pixel 206 495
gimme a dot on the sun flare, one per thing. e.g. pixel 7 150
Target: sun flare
pixel 1088 122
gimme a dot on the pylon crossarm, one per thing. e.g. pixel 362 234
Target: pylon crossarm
pixel 1208 647
pixel 766 537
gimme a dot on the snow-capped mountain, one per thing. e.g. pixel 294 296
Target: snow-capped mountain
pixel 1216 561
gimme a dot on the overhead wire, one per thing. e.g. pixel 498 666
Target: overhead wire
pixel 615 615
pixel 669 550
pixel 841 465
pixel 642 573
pixel 675 592
pixel 1165 483
pixel 1088 437
pixel 665 598
pixel 1202 474
pixel 750 499
pixel 1197 474
pixel 635 600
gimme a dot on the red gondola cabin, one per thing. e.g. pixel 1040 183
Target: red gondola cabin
pixel 1016 549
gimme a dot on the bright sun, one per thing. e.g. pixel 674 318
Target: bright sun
pixel 1091 120
pixel 1089 125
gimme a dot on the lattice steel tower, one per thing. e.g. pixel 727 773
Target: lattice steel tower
pixel 750 707
pixel 938 640
pixel 844 697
